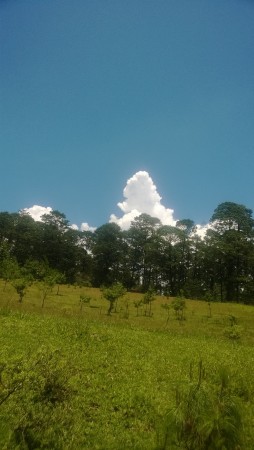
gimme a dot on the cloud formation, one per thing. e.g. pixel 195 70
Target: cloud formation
pixel 85 227
pixel 141 196
pixel 37 211
pixel 201 230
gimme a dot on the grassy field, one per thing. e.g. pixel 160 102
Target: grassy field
pixel 73 377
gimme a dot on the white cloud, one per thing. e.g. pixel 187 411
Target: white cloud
pixel 74 227
pixel 85 227
pixel 37 211
pixel 141 196
pixel 201 230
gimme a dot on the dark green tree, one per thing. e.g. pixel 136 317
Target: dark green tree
pixel 63 249
pixel 176 261
pixel 108 252
pixel 144 253
pixel 231 242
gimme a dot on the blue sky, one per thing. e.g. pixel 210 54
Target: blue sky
pixel 93 92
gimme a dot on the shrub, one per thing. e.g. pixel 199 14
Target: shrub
pixel 233 332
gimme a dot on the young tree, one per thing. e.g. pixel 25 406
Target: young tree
pixel 148 298
pixel 50 279
pixel 112 294
pixel 84 299
pixel 21 285
pixel 179 305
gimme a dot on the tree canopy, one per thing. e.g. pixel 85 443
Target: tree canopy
pixel 172 260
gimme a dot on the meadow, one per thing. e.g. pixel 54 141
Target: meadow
pixel 72 377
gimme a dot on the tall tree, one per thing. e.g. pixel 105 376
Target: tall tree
pixel 231 237
pixel 62 245
pixel 143 247
pixel 176 251
pixel 107 249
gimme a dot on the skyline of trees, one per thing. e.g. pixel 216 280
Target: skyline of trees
pixel 172 260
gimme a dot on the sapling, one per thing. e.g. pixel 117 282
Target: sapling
pixel 209 298
pixel 49 280
pixel 166 306
pixel 179 305
pixel 84 300
pixel 138 304
pixel 148 298
pixel 20 285
pixel 112 294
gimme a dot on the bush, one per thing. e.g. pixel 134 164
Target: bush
pixel 233 332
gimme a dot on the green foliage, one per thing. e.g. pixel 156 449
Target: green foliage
pixel 112 294
pixel 84 300
pixel 20 285
pixel 108 250
pixel 172 259
pixel 179 305
pixel 106 383
pixel 148 298
pixel 138 304
pixel 9 269
pixel 166 307
pixel 49 278
pixel 207 415
pixel 41 390
pixel 234 332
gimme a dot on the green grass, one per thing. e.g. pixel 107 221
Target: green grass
pixel 73 378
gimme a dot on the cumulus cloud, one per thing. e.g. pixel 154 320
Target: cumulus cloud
pixel 85 227
pixel 141 196
pixel 37 211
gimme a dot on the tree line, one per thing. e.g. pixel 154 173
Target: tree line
pixel 171 260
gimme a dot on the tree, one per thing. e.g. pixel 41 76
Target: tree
pixel 186 225
pixel 108 252
pixel 231 240
pixel 179 305
pixel 148 298
pixel 63 248
pixel 232 216
pixel 112 294
pixel 176 251
pixel 56 220
pixel 50 279
pixel 21 285
pixel 143 245
pixel 28 241
pixel 9 270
